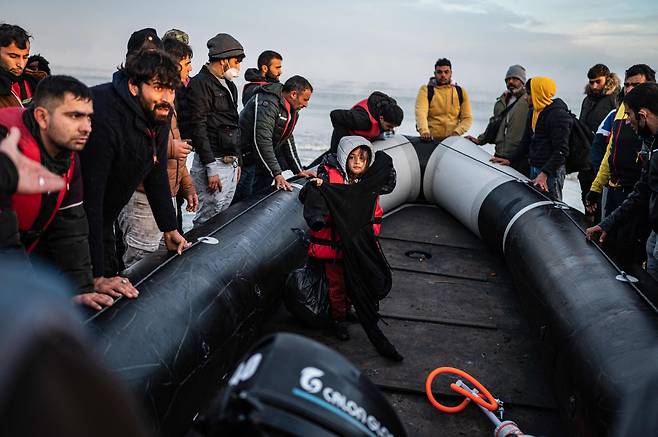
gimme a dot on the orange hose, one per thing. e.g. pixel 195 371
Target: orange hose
pixel 485 399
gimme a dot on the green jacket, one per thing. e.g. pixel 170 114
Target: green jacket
pixel 511 129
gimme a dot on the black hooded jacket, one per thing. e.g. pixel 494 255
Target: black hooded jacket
pixel 548 146
pixel 254 80
pixel 208 115
pixel 644 195
pixel 356 119
pixel 596 107
pixel 124 149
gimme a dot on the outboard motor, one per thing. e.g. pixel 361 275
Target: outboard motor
pixel 289 385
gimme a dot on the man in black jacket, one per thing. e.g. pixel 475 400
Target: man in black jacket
pixel 53 226
pixel 546 138
pixel 368 118
pixel 268 71
pixel 209 117
pixel 267 123
pixel 128 145
pixel 642 109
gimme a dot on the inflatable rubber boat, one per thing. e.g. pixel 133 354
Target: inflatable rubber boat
pixel 489 275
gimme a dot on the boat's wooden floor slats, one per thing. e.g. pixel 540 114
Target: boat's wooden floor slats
pixel 456 308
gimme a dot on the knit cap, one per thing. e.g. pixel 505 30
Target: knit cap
pixel 516 71
pixel 223 46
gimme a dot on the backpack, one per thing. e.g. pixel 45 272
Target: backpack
pixel 580 143
pixel 430 94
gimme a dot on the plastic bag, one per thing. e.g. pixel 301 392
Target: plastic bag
pixel 306 295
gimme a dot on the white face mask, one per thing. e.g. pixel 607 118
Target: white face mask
pixel 231 74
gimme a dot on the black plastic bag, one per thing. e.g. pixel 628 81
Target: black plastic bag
pixel 306 295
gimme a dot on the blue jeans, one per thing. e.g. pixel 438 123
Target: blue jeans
pixel 555 182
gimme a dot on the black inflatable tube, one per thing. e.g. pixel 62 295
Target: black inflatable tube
pixel 197 313
pixel 597 331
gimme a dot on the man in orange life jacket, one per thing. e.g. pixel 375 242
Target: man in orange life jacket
pixel 369 118
pixel 17 83
pixel 268 71
pixel 54 225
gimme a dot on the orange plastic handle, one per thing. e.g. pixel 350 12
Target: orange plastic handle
pixel 485 399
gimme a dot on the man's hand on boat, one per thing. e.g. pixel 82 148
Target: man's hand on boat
pixel 281 183
pixel 541 181
pixel 175 242
pixel 474 140
pixel 499 160
pixel 214 184
pixel 94 300
pixel 426 136
pixel 590 232
pixel 115 287
pixel 307 174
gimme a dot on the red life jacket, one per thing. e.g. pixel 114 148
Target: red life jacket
pixel 374 130
pixel 28 206
pixel 325 243
pixel 289 127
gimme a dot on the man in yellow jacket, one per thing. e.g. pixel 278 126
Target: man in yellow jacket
pixel 443 109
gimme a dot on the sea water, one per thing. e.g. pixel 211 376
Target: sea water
pixel 313 130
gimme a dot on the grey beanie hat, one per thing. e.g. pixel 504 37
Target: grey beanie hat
pixel 516 71
pixel 223 46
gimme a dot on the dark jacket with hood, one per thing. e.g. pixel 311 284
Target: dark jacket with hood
pixel 548 146
pixel 267 131
pixel 596 107
pixel 209 116
pixel 124 149
pixel 254 80
pixel 28 80
pixel 64 241
pixel 644 195
pixel 356 119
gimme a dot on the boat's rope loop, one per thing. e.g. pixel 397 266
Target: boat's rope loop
pixel 483 398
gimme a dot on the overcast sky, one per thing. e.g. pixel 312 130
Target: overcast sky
pixel 389 42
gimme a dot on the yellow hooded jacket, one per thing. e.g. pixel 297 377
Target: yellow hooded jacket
pixel 444 116
pixel 542 90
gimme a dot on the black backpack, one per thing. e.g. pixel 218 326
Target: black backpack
pixel 430 94
pixel 580 143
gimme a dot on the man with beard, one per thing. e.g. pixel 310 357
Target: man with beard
pixel 443 109
pixel 17 83
pixel 369 118
pixel 600 98
pixel 128 145
pixel 641 105
pixel 209 117
pixel 268 122
pixel 506 127
pixel 268 71
pixel 53 225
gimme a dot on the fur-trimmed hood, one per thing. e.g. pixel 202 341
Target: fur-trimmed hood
pixel 612 86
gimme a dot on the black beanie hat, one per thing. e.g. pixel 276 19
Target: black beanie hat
pixel 393 114
pixel 143 37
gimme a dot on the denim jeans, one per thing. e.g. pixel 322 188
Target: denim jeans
pixel 555 182
pixel 211 204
